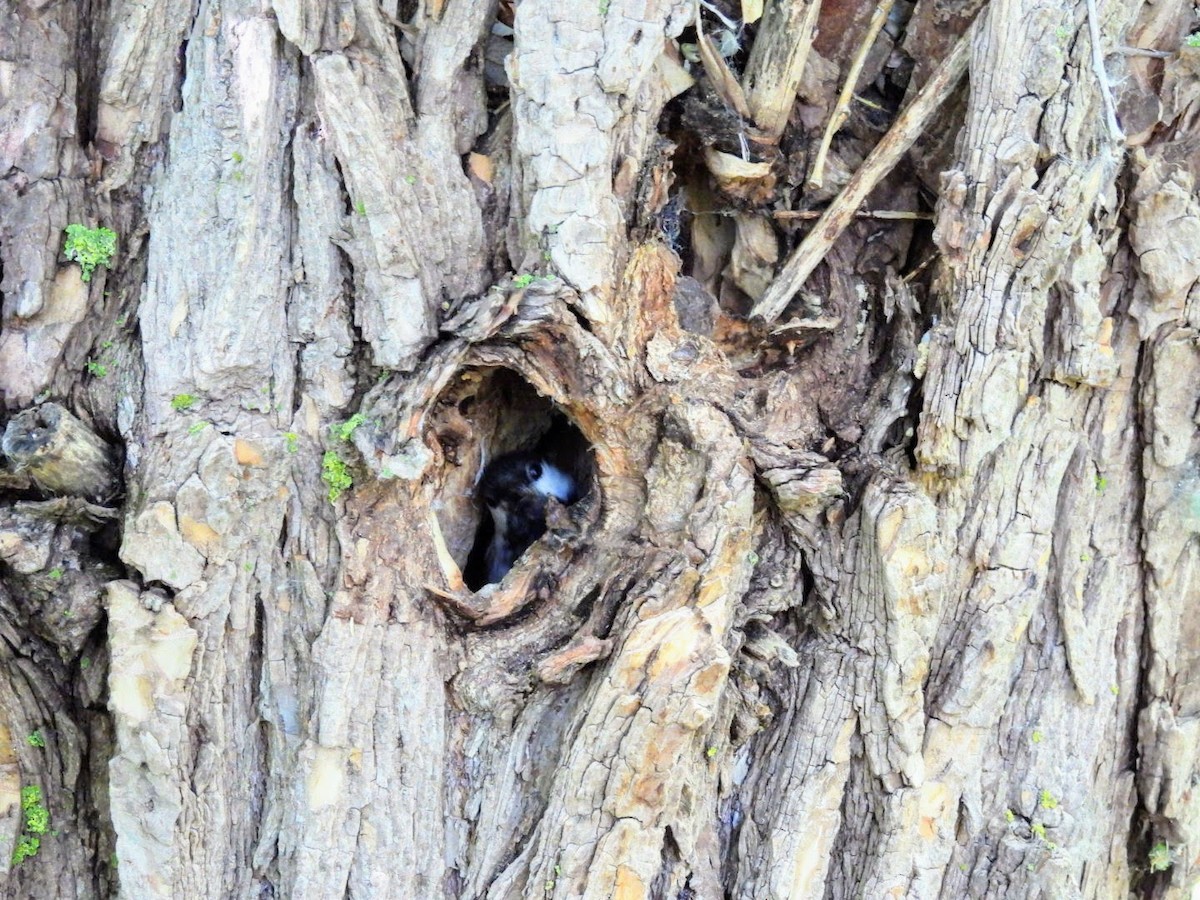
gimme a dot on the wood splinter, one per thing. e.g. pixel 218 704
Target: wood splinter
pixel 491 604
pixel 61 454
pixel 561 667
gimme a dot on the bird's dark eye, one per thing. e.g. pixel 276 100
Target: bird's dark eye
pixel 534 471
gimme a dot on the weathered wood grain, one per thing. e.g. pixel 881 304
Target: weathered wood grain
pixel 61 454
pixel 895 598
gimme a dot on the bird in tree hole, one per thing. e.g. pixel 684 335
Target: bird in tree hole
pixel 515 488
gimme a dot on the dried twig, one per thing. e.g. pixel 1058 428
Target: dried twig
pixel 1143 51
pixel 808 214
pixel 72 510
pixel 1110 108
pixel 879 162
pixel 921 267
pixel 841 109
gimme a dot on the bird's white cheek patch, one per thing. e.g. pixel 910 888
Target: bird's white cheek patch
pixel 555 483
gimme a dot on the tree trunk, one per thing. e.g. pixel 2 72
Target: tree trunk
pixel 884 583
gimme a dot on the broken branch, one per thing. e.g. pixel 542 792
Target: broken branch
pixel 61 454
pixel 879 162
pixel 777 62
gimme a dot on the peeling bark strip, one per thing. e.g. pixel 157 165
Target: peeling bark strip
pixel 893 599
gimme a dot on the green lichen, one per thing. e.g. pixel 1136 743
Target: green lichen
pixel 335 471
pixel 1047 799
pixel 293 441
pixel 27 846
pixel 1192 40
pixel 336 474
pixel 37 817
pixel 346 429
pixel 1160 857
pixel 181 402
pixel 90 247
pixel 37 821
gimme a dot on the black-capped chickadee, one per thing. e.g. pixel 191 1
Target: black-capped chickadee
pixel 515 487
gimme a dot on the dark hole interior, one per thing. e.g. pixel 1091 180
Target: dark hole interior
pixel 482 419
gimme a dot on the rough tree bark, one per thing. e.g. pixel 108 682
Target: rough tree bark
pixel 886 581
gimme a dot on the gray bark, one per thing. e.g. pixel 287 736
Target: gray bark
pixel 886 582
